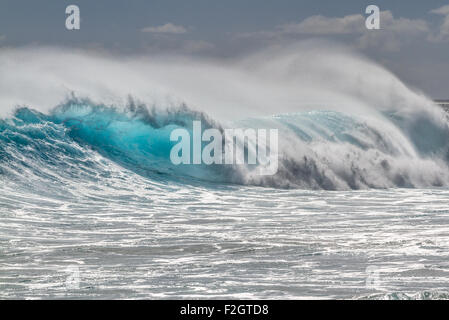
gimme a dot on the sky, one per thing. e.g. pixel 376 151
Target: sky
pixel 413 40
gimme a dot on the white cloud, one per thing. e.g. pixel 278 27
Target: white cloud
pixel 320 25
pixel 355 24
pixel 393 32
pixel 166 28
pixel 443 33
pixel 443 10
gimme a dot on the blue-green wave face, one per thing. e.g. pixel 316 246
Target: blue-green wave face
pixel 134 139
pixel 123 137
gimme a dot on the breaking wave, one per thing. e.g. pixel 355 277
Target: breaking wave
pixel 343 122
pixel 317 149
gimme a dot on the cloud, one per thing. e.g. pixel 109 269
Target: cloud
pixel 166 28
pixel 393 32
pixel 443 33
pixel 2 37
pixel 443 10
pixel 320 25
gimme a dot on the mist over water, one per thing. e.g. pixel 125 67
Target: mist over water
pixel 312 75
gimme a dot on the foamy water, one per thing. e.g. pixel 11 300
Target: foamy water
pixel 159 241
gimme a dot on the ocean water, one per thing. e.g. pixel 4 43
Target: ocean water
pixel 135 240
pixel 92 207
pixel 85 215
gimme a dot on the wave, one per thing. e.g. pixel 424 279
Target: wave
pixel 79 136
pixel 317 149
pixel 343 121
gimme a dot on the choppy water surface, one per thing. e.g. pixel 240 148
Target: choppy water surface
pixel 133 239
